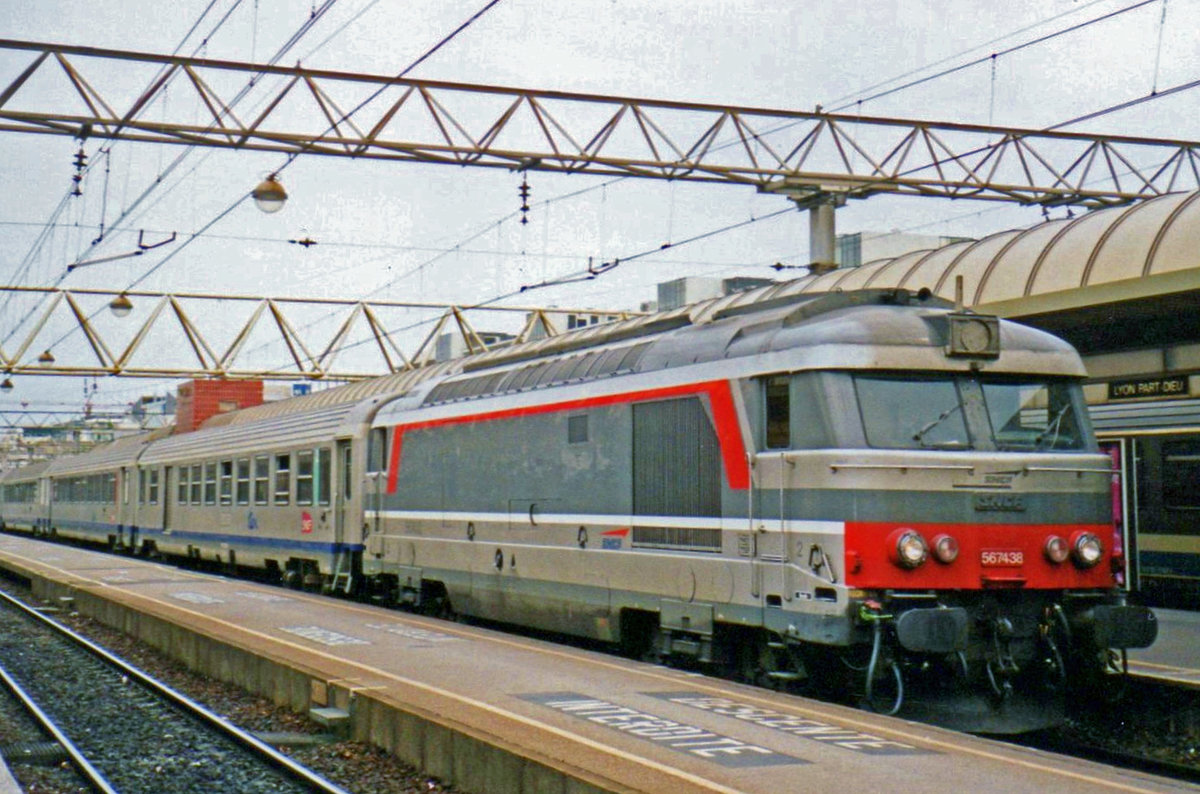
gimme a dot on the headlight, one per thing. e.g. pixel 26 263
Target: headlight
pixel 908 548
pixel 1056 550
pixel 945 549
pixel 1086 549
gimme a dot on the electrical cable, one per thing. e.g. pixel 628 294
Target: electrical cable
pixel 646 253
pixel 291 42
pixel 1006 51
pixel 591 274
pixel 295 38
pixel 1162 24
pixel 27 261
pixel 166 172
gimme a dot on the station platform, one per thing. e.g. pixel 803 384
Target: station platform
pixel 1175 655
pixel 491 712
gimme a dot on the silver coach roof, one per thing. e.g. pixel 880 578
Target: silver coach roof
pixel 123 451
pixel 284 431
pixel 25 473
pixel 293 423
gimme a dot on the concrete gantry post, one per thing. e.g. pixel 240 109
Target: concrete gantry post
pixel 822 236
pixel 822 202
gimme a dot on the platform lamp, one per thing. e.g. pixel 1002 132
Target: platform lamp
pixel 121 306
pixel 46 358
pixel 6 385
pixel 269 194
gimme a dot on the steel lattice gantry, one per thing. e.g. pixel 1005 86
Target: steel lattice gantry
pixel 197 320
pixel 805 155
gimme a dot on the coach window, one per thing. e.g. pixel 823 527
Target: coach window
pixel 227 482
pixel 304 477
pixel 210 483
pixel 142 477
pixel 283 479
pixel 322 475
pixel 183 486
pixel 242 492
pixel 377 450
pixel 262 479
pixel 197 485
pixel 779 422
pixel 153 486
pixel 1180 473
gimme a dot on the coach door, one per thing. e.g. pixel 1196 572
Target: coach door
pixel 344 493
pixel 167 494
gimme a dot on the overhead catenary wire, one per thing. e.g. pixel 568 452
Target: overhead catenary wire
pixel 155 186
pixel 1000 53
pixel 445 40
pixel 645 253
pixel 290 43
pixel 990 58
pixel 309 22
pixel 592 273
pixel 31 255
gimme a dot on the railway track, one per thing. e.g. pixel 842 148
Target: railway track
pixel 1148 730
pixel 1154 727
pixel 125 732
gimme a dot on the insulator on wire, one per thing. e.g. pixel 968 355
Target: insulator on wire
pixel 524 193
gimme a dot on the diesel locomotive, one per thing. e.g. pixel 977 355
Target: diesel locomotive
pixel 873 493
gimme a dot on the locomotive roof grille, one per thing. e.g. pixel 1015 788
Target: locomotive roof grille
pixel 553 369
pixel 553 372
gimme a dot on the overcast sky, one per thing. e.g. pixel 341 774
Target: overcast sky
pixel 379 225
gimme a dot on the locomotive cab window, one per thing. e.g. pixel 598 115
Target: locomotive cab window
pixel 1035 416
pixel 778 401
pixel 947 411
pixel 911 413
pixel 796 412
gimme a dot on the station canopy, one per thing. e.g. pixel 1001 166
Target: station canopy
pixel 1110 279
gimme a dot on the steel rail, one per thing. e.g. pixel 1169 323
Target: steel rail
pixel 78 760
pixel 244 738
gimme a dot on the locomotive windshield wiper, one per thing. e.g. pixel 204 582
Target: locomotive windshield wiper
pixel 1051 427
pixel 919 436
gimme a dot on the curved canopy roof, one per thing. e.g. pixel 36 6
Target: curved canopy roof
pixel 1134 251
